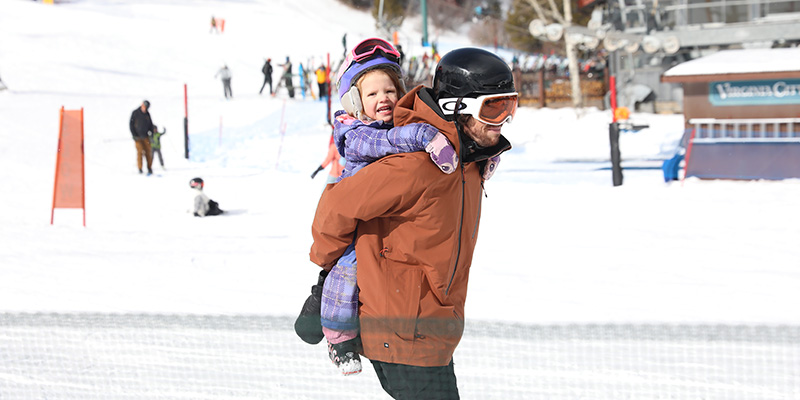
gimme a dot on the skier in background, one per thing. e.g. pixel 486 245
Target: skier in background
pixel 287 76
pixel 225 74
pixel 213 25
pixel 336 162
pixel 141 128
pixel 402 55
pixel 322 81
pixel 155 144
pixel 301 72
pixel 267 71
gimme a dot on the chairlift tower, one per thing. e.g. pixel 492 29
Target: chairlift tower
pixel 651 35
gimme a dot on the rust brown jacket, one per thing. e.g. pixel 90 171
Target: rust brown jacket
pixel 416 232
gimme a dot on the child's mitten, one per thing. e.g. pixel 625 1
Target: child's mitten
pixel 490 167
pixel 443 153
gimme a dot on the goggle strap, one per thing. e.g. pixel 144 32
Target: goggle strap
pixel 458 105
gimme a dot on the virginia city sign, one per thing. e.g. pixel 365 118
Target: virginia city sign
pixel 737 93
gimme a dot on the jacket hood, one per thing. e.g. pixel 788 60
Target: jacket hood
pixel 418 106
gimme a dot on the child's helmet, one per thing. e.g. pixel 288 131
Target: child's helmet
pixel 196 183
pixel 365 56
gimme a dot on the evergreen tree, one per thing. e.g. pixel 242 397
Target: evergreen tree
pixel 394 12
pixel 522 13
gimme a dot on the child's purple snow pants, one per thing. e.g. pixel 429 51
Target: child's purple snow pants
pixel 340 294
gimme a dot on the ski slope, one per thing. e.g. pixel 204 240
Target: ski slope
pixel 558 244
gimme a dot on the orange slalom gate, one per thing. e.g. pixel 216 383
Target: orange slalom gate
pixel 68 188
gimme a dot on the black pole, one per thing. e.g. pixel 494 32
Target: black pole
pixel 616 159
pixel 613 127
pixel 186 121
pixel 186 137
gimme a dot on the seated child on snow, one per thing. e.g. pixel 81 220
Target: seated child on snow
pixel 203 206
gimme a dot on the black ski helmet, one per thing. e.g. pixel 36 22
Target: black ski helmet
pixel 471 72
pixel 196 183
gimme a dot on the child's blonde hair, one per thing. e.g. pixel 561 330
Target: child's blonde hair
pixel 391 73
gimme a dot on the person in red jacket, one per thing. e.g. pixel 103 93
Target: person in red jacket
pixel 415 228
pixel 336 162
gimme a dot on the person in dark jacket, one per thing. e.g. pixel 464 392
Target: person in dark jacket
pixel 141 128
pixel 267 71
pixel 287 76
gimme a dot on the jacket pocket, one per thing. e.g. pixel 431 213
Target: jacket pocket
pixel 403 297
pixel 443 322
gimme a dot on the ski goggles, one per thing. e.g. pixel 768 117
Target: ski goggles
pixel 491 109
pixel 374 46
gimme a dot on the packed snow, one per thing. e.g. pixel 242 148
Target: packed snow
pixel 558 243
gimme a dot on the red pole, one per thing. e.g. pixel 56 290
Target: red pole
pixel 612 82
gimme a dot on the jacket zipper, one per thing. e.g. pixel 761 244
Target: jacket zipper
pixel 460 228
pixel 480 209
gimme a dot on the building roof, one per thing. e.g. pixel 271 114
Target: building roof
pixel 738 64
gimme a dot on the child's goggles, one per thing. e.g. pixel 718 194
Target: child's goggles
pixel 370 47
pixel 491 109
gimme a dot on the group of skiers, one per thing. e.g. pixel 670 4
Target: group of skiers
pixel 285 80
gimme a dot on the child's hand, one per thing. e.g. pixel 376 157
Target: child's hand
pixel 443 153
pixel 346 119
pixel 490 167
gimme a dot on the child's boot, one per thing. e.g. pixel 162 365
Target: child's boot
pixel 345 356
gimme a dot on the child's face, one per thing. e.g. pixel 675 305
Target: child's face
pixel 378 96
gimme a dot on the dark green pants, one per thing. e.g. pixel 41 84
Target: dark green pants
pixel 408 382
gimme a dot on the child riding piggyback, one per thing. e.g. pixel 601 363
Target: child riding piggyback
pixel 370 84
